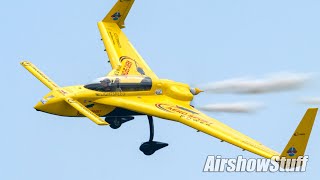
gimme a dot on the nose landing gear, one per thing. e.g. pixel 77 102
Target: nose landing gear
pixel 116 122
pixel 150 147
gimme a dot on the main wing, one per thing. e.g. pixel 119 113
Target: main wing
pixel 123 57
pixel 182 112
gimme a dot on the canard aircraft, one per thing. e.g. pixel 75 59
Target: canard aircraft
pixel 132 89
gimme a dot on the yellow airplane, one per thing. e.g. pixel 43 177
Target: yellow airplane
pixel 131 89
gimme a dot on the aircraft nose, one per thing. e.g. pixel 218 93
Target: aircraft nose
pixel 38 106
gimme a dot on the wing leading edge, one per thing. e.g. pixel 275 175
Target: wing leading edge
pixel 123 57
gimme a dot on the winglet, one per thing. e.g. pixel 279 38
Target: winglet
pixel 119 12
pixel 298 143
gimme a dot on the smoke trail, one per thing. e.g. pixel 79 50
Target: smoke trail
pixel 310 100
pixel 272 83
pixel 239 107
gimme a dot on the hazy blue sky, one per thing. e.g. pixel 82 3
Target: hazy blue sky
pixel 189 41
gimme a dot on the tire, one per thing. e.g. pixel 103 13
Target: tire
pixel 114 123
pixel 149 152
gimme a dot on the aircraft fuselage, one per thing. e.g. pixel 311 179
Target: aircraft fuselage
pixel 54 103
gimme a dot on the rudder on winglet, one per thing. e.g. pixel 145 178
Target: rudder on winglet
pixel 119 12
pixel 298 143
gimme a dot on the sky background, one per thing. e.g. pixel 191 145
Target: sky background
pixel 189 41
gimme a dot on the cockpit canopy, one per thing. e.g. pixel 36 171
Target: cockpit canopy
pixel 120 83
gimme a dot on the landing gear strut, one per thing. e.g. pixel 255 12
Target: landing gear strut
pixel 150 147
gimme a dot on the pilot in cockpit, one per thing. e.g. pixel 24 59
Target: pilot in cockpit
pixel 106 83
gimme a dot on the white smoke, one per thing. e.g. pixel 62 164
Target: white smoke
pixel 272 83
pixel 310 100
pixel 238 107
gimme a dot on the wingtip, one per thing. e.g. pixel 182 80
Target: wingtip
pixel 103 124
pixel 25 62
pixel 313 110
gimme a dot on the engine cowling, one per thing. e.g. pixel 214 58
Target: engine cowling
pixel 180 92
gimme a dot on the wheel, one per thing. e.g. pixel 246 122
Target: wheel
pixel 147 148
pixel 115 126
pixel 115 123
pixel 150 147
pixel 149 152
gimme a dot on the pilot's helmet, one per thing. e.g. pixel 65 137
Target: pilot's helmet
pixel 106 82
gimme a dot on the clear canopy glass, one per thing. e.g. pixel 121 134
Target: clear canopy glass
pixel 120 83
